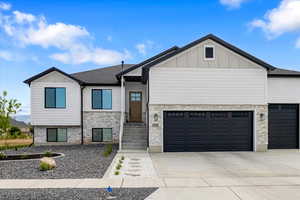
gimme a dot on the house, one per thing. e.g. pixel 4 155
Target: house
pixel 206 96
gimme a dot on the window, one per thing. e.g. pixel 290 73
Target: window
pixel 55 97
pixel 209 52
pixel 102 134
pixel 101 99
pixel 56 135
pixel 135 96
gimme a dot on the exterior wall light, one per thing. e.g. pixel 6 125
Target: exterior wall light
pixel 155 117
pixel 262 116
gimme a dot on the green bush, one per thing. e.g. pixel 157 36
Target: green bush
pixel 2 156
pixel 108 150
pixel 118 166
pixel 122 158
pixel 44 166
pixel 48 154
pixel 14 131
pixel 117 172
pixel 5 147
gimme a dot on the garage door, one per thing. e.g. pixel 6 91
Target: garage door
pixel 283 126
pixel 208 131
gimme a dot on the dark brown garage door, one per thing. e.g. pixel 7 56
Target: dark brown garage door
pixel 208 131
pixel 283 126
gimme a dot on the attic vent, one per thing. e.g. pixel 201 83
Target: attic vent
pixel 209 52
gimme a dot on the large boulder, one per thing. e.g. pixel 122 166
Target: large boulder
pixel 47 163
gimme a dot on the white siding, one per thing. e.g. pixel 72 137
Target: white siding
pixel 207 86
pixel 194 57
pixel 283 90
pixel 116 98
pixel 43 116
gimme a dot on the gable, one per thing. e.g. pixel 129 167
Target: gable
pixel 193 57
pixel 54 77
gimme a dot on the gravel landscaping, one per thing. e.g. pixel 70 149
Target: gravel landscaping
pixel 79 161
pixel 90 194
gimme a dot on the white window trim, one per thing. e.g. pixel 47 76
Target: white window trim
pixel 214 52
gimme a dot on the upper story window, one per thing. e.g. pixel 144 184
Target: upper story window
pixel 55 97
pixel 102 99
pixel 209 52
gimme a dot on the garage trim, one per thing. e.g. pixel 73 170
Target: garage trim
pixel 254 118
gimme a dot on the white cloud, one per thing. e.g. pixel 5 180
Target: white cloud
pixel 144 47
pixel 4 6
pixel 6 55
pixel 284 18
pixel 73 41
pixel 232 3
pixel 23 17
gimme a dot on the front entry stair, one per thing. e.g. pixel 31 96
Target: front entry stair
pixel 134 136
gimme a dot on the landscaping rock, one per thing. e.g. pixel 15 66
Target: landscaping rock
pixel 49 161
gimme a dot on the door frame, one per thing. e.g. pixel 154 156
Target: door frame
pixel 129 105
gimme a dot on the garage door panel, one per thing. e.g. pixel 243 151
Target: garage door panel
pixel 283 126
pixel 209 131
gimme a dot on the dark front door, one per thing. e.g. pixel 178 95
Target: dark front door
pixel 135 106
pixel 208 131
pixel 283 126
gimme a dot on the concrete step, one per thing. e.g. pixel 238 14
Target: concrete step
pixel 142 125
pixel 130 147
pixel 139 141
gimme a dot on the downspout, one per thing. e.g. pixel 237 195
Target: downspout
pixel 122 110
pixel 81 113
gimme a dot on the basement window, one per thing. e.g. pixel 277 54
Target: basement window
pixel 209 52
pixel 102 134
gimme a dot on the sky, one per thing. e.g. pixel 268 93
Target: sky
pixel 81 35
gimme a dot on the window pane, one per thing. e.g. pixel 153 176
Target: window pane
pixel 96 99
pixel 107 134
pixel 60 97
pixel 106 99
pixel 61 135
pixel 96 137
pixel 49 97
pixel 209 52
pixel 51 134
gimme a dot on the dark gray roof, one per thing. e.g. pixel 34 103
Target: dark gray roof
pixel 278 72
pixel 101 76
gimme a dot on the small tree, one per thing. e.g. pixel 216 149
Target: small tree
pixel 7 107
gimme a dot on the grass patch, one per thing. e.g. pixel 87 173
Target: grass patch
pixel 108 150
pixel 44 166
pixel 2 156
pixel 16 147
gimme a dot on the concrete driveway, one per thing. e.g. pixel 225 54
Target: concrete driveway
pixel 228 175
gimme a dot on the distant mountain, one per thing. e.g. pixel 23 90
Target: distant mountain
pixel 18 124
pixel 22 118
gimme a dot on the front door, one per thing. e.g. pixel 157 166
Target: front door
pixel 135 106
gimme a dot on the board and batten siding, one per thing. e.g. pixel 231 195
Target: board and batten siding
pixel 283 90
pixel 116 98
pixel 207 86
pixel 41 116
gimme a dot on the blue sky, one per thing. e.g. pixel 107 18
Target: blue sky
pixel 81 35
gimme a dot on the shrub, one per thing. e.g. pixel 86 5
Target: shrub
pixel 45 166
pixel 117 172
pixel 108 150
pixel 48 154
pixel 118 166
pixel 14 131
pixel 2 156
pixel 120 161
pixel 122 158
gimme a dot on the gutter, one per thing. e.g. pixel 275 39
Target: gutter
pixel 81 113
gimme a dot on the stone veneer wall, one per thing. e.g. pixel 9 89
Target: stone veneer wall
pixel 260 129
pixel 102 119
pixel 73 133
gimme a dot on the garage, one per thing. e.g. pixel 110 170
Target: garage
pixel 193 131
pixel 283 126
